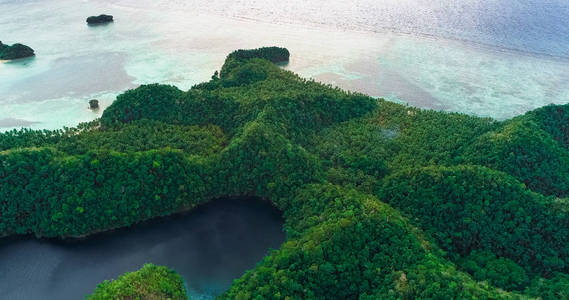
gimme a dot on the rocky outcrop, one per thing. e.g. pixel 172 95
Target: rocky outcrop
pixel 15 51
pixel 94 104
pixel 100 19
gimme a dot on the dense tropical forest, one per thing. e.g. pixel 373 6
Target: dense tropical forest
pixel 150 282
pixel 381 200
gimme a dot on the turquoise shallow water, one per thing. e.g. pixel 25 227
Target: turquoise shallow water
pixel 476 80
pixel 495 60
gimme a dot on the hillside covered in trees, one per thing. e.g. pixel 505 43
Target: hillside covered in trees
pixel 381 200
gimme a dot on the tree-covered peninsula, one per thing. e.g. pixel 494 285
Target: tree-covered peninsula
pixel 381 200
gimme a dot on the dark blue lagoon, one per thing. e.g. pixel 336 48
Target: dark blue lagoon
pixel 209 247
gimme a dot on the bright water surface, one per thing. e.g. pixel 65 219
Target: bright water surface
pixel 209 248
pixel 489 58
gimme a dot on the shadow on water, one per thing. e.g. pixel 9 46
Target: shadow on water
pixel 20 62
pixel 209 247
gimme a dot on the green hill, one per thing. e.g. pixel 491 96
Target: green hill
pixel 381 200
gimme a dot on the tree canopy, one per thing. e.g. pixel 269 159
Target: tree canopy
pixel 381 200
pixel 150 282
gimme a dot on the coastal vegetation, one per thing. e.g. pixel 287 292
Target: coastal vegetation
pixel 381 200
pixel 15 51
pixel 150 282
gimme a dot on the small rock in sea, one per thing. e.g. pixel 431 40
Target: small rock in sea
pixel 100 19
pixel 15 51
pixel 94 104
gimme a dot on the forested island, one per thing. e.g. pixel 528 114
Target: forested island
pixel 15 51
pixel 150 282
pixel 381 200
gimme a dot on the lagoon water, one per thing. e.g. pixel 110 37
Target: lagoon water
pixel 488 58
pixel 209 248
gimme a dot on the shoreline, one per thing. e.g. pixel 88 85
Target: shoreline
pixel 183 212
pixel 404 67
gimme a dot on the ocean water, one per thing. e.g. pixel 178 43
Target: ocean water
pixel 487 58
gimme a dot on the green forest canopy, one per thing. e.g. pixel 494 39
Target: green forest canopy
pixel 150 283
pixel 381 200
